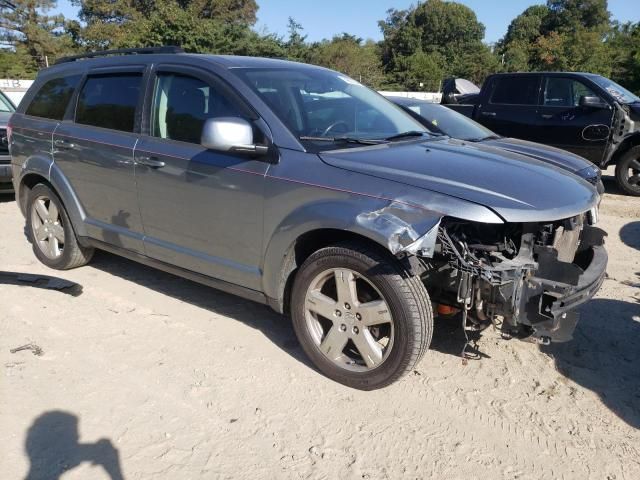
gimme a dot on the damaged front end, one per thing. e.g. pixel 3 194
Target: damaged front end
pixel 526 279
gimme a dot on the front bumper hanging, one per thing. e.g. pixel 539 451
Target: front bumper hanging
pixel 550 297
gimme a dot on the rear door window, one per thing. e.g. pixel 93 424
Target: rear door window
pixel 520 90
pixel 53 97
pixel 109 101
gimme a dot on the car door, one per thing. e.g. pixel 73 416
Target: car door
pixel 202 210
pixel 563 123
pixel 94 150
pixel 510 109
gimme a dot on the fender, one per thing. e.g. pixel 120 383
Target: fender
pixel 396 226
pixel 38 164
pixel 623 132
pixel 45 167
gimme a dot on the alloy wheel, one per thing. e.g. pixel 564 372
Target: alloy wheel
pixel 349 320
pixel 47 228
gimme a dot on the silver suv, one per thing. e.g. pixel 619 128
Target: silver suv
pixel 298 187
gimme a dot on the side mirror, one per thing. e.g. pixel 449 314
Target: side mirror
pixel 230 134
pixel 593 102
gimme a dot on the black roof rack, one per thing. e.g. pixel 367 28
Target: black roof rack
pixel 121 51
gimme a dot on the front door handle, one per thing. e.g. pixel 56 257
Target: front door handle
pixel 547 116
pixel 152 162
pixel 489 114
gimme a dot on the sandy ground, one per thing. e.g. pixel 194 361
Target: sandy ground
pixel 148 376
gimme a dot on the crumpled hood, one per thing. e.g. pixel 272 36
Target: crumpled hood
pixel 517 187
pixel 555 156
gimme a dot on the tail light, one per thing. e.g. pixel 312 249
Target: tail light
pixel 9 130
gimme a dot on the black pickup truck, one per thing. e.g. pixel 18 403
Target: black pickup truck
pixel 584 113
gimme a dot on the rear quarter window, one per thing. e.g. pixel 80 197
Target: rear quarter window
pixel 53 97
pixel 109 101
pixel 515 91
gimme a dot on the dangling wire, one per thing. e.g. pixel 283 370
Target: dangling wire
pixel 466 356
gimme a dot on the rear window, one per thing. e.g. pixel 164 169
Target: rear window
pixel 515 91
pixel 109 101
pixel 53 97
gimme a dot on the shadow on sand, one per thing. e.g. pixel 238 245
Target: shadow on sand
pixel 603 355
pixel 611 185
pixel 630 234
pixel 53 448
pixel 275 327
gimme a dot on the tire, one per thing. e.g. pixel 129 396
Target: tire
pixel 50 231
pixel 389 318
pixel 628 172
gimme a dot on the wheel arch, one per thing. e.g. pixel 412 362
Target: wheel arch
pixel 626 145
pixel 279 286
pixel 34 172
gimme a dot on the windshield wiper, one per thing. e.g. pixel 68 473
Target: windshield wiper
pixel 410 133
pixel 482 139
pixel 362 141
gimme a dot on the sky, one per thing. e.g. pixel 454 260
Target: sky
pixel 323 19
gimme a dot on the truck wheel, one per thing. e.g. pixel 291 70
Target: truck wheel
pixel 50 232
pixel 361 317
pixel 628 172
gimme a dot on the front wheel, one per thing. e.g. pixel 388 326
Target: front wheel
pixel 361 318
pixel 628 172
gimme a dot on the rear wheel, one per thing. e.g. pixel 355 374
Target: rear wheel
pixel 50 231
pixel 628 172
pixel 361 318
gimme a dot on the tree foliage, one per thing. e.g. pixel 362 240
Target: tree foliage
pixel 447 36
pixel 421 45
pixel 35 36
pixel 351 56
pixel 561 35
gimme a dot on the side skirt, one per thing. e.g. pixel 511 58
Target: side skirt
pixel 226 287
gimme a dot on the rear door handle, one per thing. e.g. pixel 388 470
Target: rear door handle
pixel 152 162
pixel 547 116
pixel 489 114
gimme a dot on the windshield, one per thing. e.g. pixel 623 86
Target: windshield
pixel 621 94
pixel 323 108
pixel 441 119
pixel 5 104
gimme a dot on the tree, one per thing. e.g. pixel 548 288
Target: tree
pixel 349 55
pixel 523 31
pixel 561 35
pixel 567 16
pixel 296 46
pixel 420 72
pixel 194 24
pixel 526 27
pixel 401 37
pixel 474 63
pixel 444 37
pixel 241 12
pixel 624 47
pixel 446 27
pixel 33 36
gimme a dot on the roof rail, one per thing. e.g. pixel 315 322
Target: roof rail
pixel 121 51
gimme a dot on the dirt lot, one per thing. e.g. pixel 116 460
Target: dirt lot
pixel 148 376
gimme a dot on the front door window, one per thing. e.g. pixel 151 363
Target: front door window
pixel 182 104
